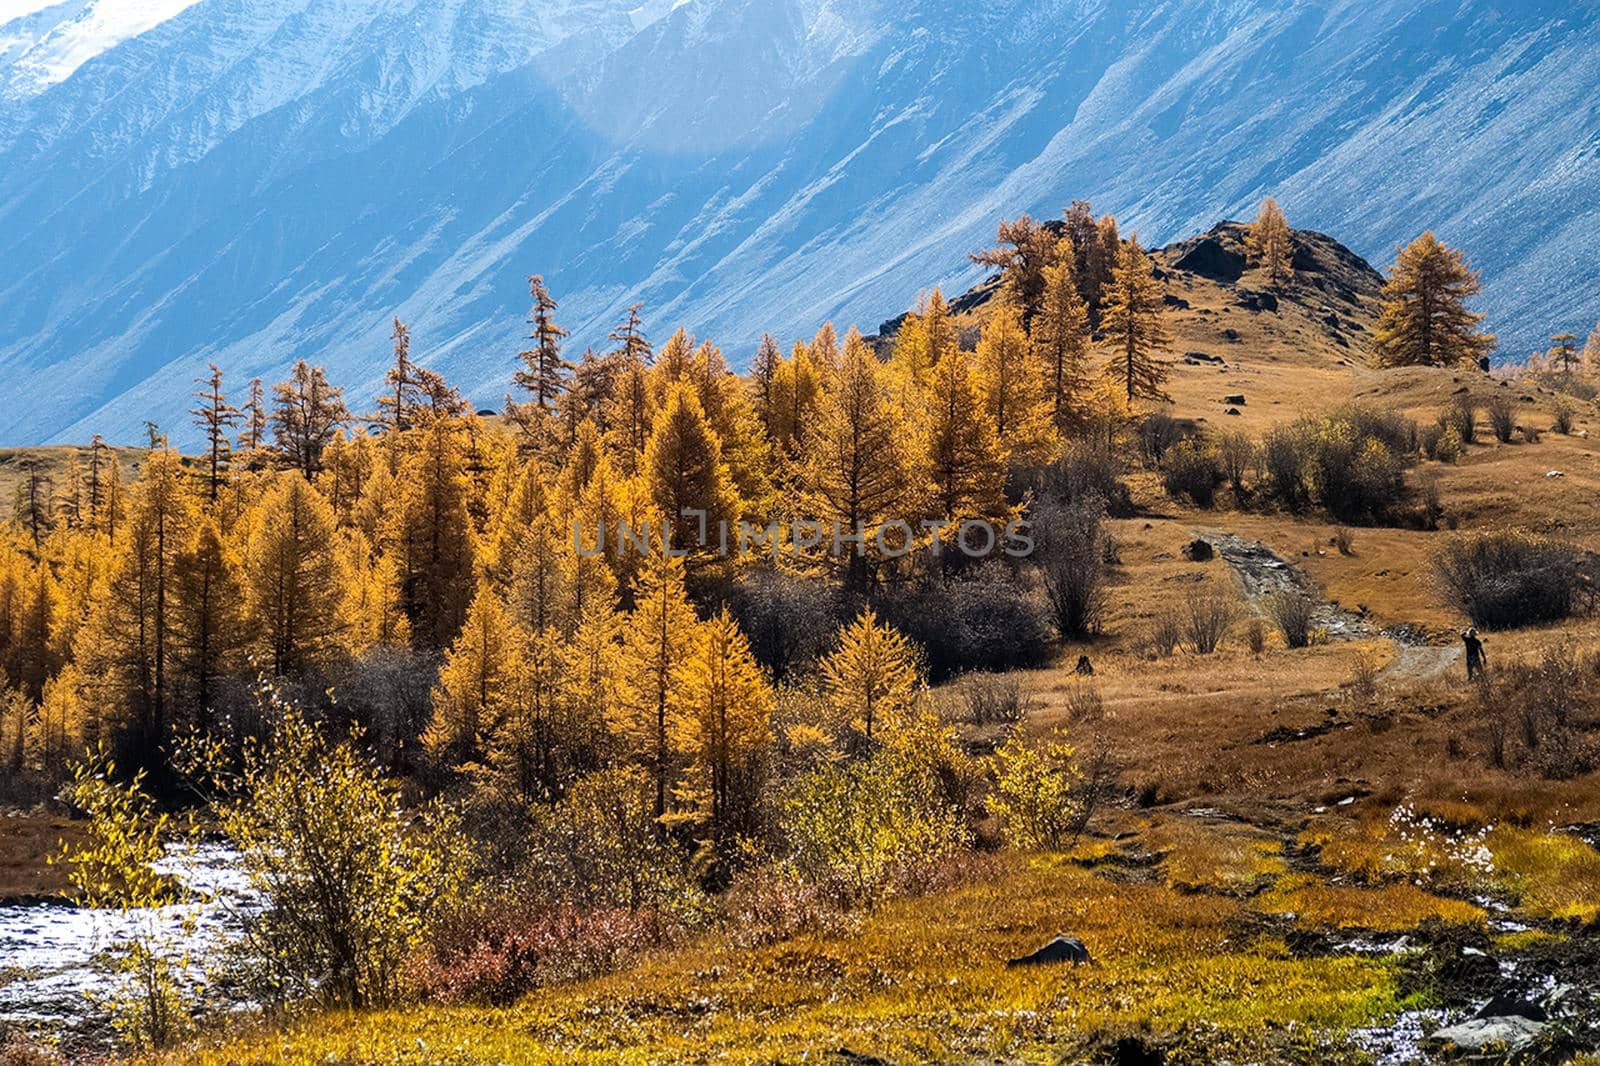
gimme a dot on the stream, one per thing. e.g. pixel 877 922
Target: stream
pixel 48 950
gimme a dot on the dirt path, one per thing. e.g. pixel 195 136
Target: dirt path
pixel 1264 574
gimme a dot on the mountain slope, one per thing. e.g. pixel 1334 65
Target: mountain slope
pixel 258 180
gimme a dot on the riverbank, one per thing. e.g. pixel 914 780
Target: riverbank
pixel 27 843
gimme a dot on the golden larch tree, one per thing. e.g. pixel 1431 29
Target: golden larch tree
pixel 872 675
pixel 1424 320
pixel 370 613
pixel 477 681
pixel 1012 386
pixel 966 459
pixel 657 638
pixel 291 576
pixel 208 618
pixel 126 650
pixel 861 467
pixel 1135 328
pixel 1271 244
pixel 429 534
pixel 721 719
pixel 685 473
pixel 1061 340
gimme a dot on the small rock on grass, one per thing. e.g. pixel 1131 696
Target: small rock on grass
pixel 1061 949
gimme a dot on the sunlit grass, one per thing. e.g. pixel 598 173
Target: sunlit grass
pixel 917 980
pixel 1386 908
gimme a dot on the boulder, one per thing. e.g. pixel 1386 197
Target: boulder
pixel 1061 949
pixel 1199 550
pixel 1233 411
pixel 1175 301
pixel 1231 334
pixel 1208 258
pixel 1509 1035
pixel 1237 399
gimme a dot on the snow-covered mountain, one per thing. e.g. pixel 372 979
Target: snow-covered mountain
pixel 251 181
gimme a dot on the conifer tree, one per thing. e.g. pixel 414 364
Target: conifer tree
pixel 254 421
pixel 67 505
pixel 396 406
pixel 207 623
pixel 1061 340
pixel 527 752
pixel 126 651
pixel 721 723
pixel 824 348
pixel 370 614
pixel 658 637
pixel 966 459
pixel 1023 251
pixel 291 576
pixel 544 371
pixel 860 466
pixel 1564 352
pixel 1424 320
pixel 476 682
pixel 429 534
pixel 1590 360
pixel 796 389
pixel 763 374
pixel 31 500
pixel 725 401
pixel 1133 321
pixel 216 418
pixel 630 415
pixel 872 676
pixel 306 415
pixel 633 347
pixel 684 472
pixel 1011 384
pixel 1271 244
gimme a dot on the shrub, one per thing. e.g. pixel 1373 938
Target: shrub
pixel 1462 416
pixel 1283 462
pixel 1165 633
pixel 1157 433
pixel 1255 635
pixel 151 993
pixel 985 618
pixel 1357 461
pixel 1087 471
pixel 1509 578
pixel 991 699
pixel 1292 613
pixel 352 883
pixel 855 828
pixel 1448 447
pixel 506 948
pixel 1069 549
pixel 1502 416
pixel 601 845
pixel 1036 793
pixel 1238 454
pixel 1208 614
pixel 1527 712
pixel 1192 469
pixel 788 619
pixel 1564 413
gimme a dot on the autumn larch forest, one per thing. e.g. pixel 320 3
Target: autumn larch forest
pixel 947 693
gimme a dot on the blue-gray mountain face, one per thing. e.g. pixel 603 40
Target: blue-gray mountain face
pixel 252 181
